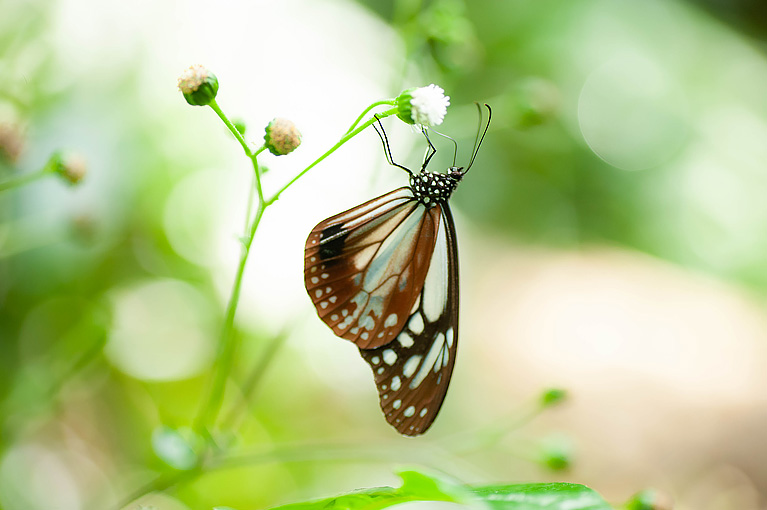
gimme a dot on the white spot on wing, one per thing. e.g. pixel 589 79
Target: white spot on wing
pixel 405 340
pixel 396 404
pixel 410 411
pixel 449 336
pixel 396 383
pixel 410 365
pixel 375 360
pixel 389 357
pixel 416 323
pixel 391 320
pixel 431 358
pixel 423 412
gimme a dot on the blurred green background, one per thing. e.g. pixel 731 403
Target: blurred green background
pixel 612 238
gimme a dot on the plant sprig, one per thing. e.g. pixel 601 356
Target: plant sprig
pixel 200 87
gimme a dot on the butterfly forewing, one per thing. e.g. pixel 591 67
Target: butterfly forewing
pixel 412 372
pixel 364 268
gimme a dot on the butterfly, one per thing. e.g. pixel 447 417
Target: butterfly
pixel 384 275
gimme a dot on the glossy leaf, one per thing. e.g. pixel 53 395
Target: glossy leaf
pixel 421 487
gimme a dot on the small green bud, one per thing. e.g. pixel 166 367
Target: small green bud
pixel 650 499
pixel 535 101
pixel 426 106
pixel 557 460
pixel 72 167
pixel 282 137
pixel 240 126
pixel 556 453
pixel 198 85
pixel 553 396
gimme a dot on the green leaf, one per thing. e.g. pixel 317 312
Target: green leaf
pixel 541 496
pixel 423 487
pixel 418 486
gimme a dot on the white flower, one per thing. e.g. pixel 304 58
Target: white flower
pixel 426 106
pixel 191 79
pixel 429 105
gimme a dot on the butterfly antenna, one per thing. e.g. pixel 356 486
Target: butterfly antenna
pixel 478 139
pixel 455 144
pixel 387 150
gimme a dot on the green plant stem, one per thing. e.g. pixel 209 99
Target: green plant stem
pixel 348 136
pixel 24 179
pixel 159 484
pixel 391 102
pixel 228 343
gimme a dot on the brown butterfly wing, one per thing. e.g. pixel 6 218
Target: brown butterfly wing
pixel 364 268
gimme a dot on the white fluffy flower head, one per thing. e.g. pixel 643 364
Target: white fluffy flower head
pixel 426 106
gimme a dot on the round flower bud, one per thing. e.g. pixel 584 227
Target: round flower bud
pixel 426 106
pixel 556 453
pixel 282 137
pixel 11 142
pixel 650 499
pixel 72 167
pixel 553 397
pixel 198 85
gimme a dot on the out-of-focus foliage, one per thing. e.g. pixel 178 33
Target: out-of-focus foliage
pixel 632 124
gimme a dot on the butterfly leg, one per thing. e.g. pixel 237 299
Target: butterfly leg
pixel 387 149
pixel 430 152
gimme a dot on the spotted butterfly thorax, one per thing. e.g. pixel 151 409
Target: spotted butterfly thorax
pixel 384 275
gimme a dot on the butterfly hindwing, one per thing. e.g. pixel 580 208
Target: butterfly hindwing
pixel 413 371
pixel 364 268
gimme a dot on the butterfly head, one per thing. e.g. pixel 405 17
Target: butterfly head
pixel 456 173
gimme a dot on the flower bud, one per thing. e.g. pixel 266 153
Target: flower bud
pixel 534 102
pixel 282 137
pixel 426 106
pixel 198 85
pixel 556 453
pixel 71 166
pixel 553 396
pixel 11 142
pixel 650 499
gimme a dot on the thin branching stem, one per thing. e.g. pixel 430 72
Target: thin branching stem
pixel 21 180
pixel 228 340
pixel 348 136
